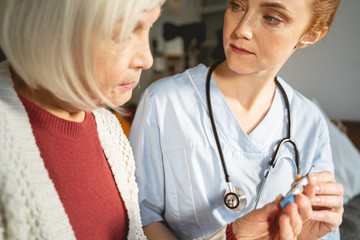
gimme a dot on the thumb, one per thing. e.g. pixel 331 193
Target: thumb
pixel 268 212
pixel 271 208
pixel 258 222
pixel 297 178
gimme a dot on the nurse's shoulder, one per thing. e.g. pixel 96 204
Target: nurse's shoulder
pixel 177 84
pixel 301 106
pixel 306 108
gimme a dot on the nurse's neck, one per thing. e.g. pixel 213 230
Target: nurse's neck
pixel 246 89
pixel 249 96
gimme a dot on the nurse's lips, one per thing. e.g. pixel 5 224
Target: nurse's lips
pixel 241 51
pixel 127 86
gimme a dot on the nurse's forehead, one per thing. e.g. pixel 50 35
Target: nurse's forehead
pixel 288 6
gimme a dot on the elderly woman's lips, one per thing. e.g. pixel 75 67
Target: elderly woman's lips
pixel 127 86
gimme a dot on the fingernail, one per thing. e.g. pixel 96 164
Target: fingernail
pixel 317 188
pixel 315 199
pixel 313 177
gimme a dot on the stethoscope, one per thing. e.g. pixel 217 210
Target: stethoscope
pixel 235 198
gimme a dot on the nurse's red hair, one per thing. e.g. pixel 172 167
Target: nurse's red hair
pixel 323 14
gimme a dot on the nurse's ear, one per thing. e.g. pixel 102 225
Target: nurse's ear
pixel 310 38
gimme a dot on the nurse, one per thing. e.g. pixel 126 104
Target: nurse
pixel 174 143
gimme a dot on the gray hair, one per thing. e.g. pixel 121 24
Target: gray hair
pixel 53 44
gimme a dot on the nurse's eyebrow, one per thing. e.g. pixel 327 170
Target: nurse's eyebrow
pixel 274 5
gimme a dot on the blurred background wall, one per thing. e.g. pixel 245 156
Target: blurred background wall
pixel 329 71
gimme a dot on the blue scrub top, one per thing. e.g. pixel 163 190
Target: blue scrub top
pixel 178 170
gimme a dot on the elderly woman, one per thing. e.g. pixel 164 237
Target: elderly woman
pixel 67 169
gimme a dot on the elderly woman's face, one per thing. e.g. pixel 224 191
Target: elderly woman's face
pixel 127 61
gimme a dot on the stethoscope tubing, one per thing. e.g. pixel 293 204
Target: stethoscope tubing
pixel 274 159
pixel 213 125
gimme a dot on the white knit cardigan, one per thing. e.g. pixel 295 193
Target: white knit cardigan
pixel 30 207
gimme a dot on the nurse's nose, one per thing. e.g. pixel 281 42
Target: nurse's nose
pixel 244 29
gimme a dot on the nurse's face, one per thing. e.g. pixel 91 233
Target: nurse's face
pixel 260 35
pixel 127 60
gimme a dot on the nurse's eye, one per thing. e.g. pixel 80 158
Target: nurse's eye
pixel 271 19
pixel 235 6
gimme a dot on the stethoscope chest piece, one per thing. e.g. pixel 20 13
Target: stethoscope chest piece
pixel 235 199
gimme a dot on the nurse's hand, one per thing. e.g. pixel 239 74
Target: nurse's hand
pixel 273 222
pixel 327 205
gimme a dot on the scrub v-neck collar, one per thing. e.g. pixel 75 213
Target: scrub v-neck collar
pixel 228 127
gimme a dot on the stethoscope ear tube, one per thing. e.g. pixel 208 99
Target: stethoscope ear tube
pixel 288 138
pixel 274 159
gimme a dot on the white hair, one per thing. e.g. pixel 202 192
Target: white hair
pixel 51 45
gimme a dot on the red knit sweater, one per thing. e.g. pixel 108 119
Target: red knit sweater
pixel 82 177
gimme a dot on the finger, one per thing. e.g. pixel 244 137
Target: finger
pixel 285 229
pixel 292 222
pixel 330 218
pixel 309 190
pixel 295 220
pixel 298 177
pixel 332 202
pixel 304 207
pixel 278 199
pixel 329 189
pixel 321 177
